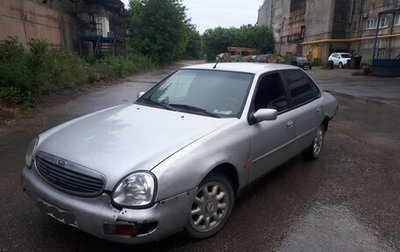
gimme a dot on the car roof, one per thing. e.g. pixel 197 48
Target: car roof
pixel 242 67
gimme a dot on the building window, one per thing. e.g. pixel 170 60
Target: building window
pixel 397 20
pixel 371 24
pixel 297 4
pixel 384 22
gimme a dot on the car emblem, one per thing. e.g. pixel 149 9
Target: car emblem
pixel 61 162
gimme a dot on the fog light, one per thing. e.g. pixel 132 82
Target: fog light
pixel 123 229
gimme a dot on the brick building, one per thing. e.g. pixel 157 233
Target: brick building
pixel 320 27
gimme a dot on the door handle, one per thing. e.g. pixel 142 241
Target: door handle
pixel 290 124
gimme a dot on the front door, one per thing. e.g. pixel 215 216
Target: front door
pixel 272 142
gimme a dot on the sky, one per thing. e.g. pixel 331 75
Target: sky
pixel 207 14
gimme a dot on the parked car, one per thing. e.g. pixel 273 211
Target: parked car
pixel 301 62
pixel 340 59
pixel 261 58
pixel 176 158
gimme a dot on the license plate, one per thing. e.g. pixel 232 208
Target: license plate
pixel 57 213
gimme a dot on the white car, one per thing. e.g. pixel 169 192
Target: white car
pixel 340 59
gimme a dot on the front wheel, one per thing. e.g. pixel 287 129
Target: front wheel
pixel 314 150
pixel 340 65
pixel 211 207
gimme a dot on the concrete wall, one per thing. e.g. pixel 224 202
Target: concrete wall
pixel 288 27
pixel 65 6
pixel 270 15
pixel 318 19
pixel 319 23
pixel 27 20
pixel 264 13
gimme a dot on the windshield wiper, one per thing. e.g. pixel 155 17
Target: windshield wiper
pixel 191 108
pixel 155 103
pixel 176 107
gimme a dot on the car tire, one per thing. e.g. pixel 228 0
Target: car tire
pixel 314 150
pixel 212 206
pixel 340 65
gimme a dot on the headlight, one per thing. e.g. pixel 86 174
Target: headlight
pixel 135 190
pixel 29 151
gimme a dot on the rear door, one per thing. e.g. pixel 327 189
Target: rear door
pixel 306 106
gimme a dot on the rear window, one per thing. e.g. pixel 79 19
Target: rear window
pixel 300 87
pixel 345 55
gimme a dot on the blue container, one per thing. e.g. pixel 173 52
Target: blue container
pixel 386 67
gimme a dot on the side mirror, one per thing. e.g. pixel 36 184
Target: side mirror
pixel 265 115
pixel 140 94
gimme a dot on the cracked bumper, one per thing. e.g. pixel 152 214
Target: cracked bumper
pixel 98 217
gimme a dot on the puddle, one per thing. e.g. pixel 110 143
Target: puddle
pixel 331 228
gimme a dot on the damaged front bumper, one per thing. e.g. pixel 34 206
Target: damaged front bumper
pixel 97 216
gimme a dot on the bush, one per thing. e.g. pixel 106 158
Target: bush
pixel 9 95
pixel 118 66
pixel 28 73
pixel 13 71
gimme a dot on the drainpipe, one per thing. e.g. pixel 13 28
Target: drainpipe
pixel 376 36
pixel 360 24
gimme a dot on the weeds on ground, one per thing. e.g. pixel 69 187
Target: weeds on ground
pixel 26 74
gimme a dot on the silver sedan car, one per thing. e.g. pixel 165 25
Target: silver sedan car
pixel 177 157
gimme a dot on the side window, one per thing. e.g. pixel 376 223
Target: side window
pixel 271 93
pixel 300 88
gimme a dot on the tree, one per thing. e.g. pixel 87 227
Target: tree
pixel 219 39
pixel 158 29
pixel 194 43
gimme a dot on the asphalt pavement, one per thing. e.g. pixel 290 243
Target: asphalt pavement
pixel 347 200
pixel 368 88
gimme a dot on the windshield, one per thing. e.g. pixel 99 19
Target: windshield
pixel 345 55
pixel 301 59
pixel 207 92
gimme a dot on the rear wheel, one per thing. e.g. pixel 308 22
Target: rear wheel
pixel 314 150
pixel 211 206
pixel 340 65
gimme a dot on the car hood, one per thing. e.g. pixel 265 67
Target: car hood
pixel 126 138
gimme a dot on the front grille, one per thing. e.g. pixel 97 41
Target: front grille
pixel 68 176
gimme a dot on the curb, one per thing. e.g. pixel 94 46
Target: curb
pixel 362 99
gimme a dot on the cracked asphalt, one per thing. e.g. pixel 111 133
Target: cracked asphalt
pixel 348 200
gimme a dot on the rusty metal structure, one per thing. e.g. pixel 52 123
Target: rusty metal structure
pixel 101 27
